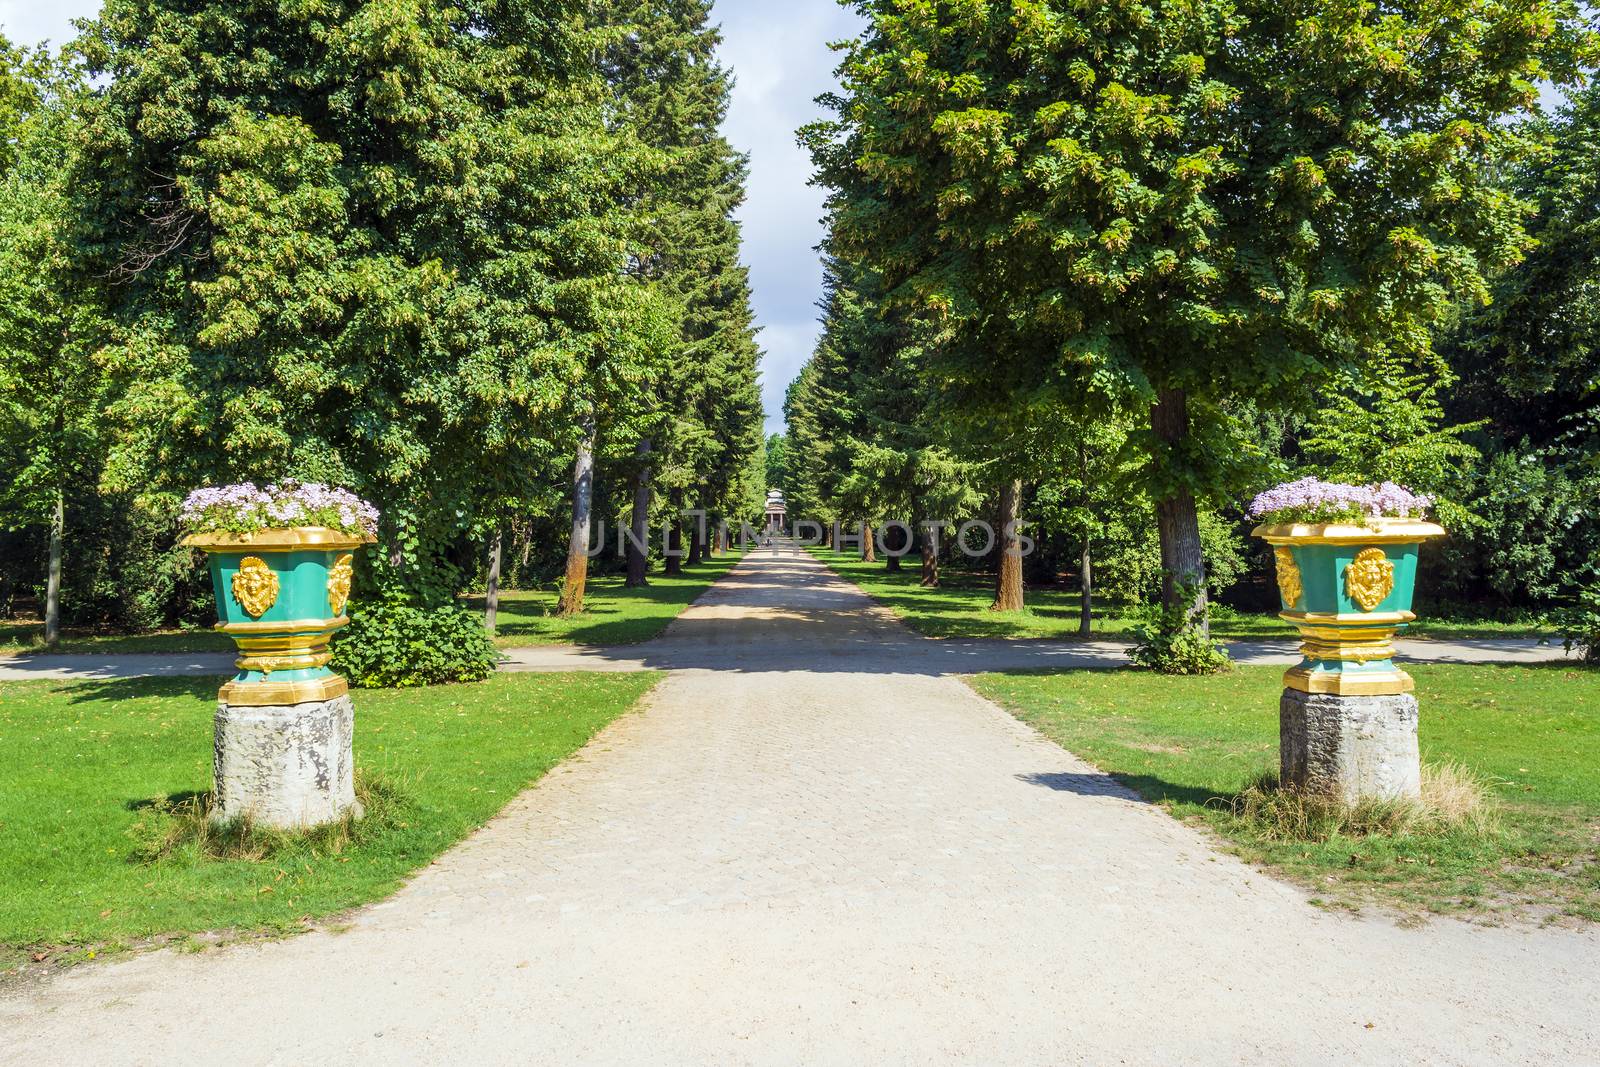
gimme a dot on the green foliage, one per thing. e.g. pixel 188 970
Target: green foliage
pixel 397 646
pixel 1386 425
pixel 1534 526
pixel 1169 642
pixel 1578 623
pixel 1537 344
pixel 702 413
pixel 1175 210
pixel 367 244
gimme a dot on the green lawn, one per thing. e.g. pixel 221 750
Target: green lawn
pixel 79 763
pixel 959 607
pixel 613 616
pixel 1533 733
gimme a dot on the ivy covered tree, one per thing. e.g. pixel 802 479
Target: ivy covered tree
pixel 1184 204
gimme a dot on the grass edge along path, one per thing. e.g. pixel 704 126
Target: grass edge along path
pixel 81 764
pixel 613 615
pixel 1531 733
pixel 959 608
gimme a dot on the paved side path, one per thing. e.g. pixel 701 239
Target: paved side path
pixel 832 863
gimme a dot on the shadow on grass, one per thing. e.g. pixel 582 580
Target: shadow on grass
pixel 168 802
pixel 111 690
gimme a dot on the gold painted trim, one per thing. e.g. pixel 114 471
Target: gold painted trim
pixel 298 626
pixel 287 539
pixel 1303 619
pixel 1348 651
pixel 290 662
pixel 274 694
pixel 1382 532
pixel 1336 684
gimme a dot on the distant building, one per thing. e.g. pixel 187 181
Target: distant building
pixel 776 511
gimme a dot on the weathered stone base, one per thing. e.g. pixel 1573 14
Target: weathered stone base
pixel 1352 747
pixel 285 767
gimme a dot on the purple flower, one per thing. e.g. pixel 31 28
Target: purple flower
pixel 1313 500
pixel 244 508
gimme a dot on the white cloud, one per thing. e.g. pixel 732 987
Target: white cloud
pixel 780 57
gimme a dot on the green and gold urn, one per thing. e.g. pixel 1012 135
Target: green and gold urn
pixel 282 561
pixel 281 595
pixel 1347 586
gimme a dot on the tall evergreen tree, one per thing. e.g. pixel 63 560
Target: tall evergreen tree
pixel 672 94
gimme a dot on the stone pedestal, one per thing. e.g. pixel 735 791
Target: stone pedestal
pixel 1350 747
pixel 287 767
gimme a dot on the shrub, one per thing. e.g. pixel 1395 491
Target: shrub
pixel 397 646
pixel 1169 642
pixel 1579 623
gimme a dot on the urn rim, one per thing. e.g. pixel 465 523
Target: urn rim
pixel 279 539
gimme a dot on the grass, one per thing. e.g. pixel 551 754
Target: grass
pixel 95 776
pixel 959 607
pixel 613 616
pixel 1197 745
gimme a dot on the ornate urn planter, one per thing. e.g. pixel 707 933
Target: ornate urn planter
pixel 281 595
pixel 1347 720
pixel 285 721
pixel 1347 588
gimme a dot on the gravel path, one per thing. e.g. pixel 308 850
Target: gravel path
pixel 831 861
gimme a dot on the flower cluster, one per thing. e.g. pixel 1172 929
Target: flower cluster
pixel 1311 500
pixel 244 508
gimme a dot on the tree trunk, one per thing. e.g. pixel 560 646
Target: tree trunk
pixel 571 602
pixel 697 544
pixel 1086 591
pixel 52 589
pixel 491 595
pixel 674 553
pixel 1178 518
pixel 1008 580
pixel 891 561
pixel 930 561
pixel 640 522
pixel 869 551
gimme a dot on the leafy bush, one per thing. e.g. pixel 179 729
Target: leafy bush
pixel 397 646
pixel 1536 524
pixel 1169 642
pixel 1579 623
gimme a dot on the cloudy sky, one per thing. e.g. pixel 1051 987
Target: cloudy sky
pixel 779 53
